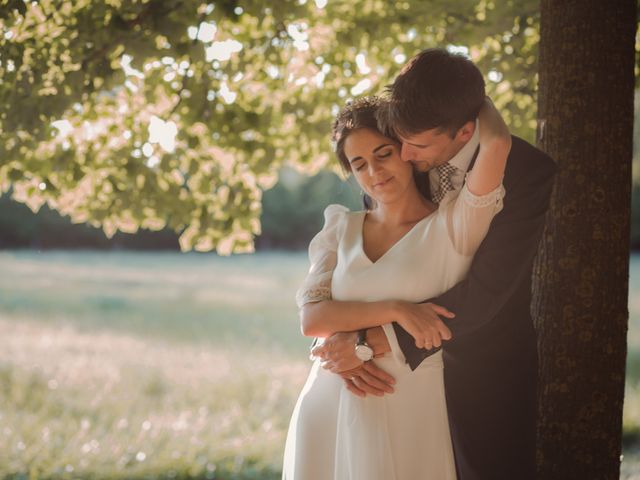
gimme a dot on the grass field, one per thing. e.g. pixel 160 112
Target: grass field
pixel 164 366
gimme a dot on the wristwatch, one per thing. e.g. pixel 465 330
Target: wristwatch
pixel 363 351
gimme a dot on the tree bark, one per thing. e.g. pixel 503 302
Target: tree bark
pixel 580 291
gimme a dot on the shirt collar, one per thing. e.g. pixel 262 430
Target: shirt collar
pixel 462 159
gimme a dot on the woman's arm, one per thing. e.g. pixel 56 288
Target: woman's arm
pixel 495 144
pixel 421 321
pixel 480 199
pixel 324 318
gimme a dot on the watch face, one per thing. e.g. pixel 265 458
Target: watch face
pixel 364 352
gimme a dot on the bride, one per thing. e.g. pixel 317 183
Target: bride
pixel 370 268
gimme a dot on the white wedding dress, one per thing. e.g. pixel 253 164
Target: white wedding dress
pixel 336 435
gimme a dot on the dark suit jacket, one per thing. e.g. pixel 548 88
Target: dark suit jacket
pixel 490 365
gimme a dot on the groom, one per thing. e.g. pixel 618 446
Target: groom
pixel 490 364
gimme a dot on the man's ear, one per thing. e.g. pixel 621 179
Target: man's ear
pixel 466 131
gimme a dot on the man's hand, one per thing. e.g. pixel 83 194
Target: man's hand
pixel 338 355
pixel 368 379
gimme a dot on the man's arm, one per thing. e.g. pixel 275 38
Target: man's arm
pixel 501 263
pixel 421 321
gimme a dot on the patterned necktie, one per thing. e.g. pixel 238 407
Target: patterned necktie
pixel 445 172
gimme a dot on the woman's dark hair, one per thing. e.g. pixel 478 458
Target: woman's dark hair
pixel 362 113
pixel 436 89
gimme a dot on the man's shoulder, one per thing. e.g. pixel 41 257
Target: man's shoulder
pixel 525 158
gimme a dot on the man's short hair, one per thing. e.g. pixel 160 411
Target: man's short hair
pixel 436 89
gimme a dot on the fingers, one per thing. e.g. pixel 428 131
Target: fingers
pixel 368 379
pixel 327 365
pixel 375 383
pixel 335 366
pixel 444 331
pixel 428 344
pixel 319 351
pixel 353 389
pixel 435 330
pixel 441 310
pixel 341 365
pixel 433 338
pixel 424 323
pixel 430 335
pixel 379 374
pixel 362 382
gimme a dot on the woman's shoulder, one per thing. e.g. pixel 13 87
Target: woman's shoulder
pixel 336 212
pixel 338 218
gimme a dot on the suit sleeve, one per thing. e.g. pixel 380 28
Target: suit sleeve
pixel 501 263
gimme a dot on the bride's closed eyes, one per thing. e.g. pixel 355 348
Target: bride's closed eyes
pixel 359 163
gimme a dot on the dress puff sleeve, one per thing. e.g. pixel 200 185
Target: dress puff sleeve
pixel 469 217
pixel 322 258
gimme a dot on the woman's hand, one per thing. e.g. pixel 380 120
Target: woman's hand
pixel 422 321
pixel 492 127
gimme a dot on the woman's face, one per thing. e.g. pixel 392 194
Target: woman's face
pixel 376 165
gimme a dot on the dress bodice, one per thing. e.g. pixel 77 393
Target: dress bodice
pixel 428 260
pixel 420 265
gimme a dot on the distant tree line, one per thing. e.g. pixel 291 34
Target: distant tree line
pixel 292 214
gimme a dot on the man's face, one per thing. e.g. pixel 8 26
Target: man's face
pixel 431 148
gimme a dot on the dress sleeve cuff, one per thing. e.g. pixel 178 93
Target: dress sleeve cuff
pixel 317 294
pixel 479 201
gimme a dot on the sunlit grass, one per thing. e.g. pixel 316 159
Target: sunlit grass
pixel 192 298
pixel 129 365
pixel 82 405
pixel 631 416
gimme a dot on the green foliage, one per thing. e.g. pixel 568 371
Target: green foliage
pixel 238 117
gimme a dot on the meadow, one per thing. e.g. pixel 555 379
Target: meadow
pixel 119 365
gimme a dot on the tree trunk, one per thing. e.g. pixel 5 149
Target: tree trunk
pixel 585 122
